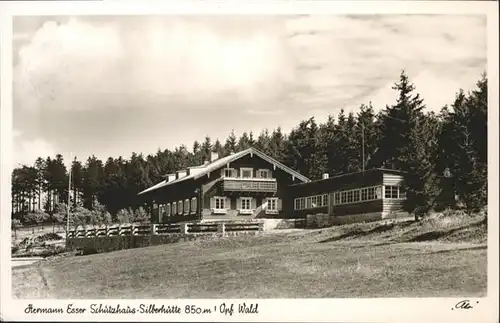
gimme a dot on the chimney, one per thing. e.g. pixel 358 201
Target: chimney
pixel 214 156
pixel 325 176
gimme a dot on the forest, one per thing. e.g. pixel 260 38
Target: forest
pixel 444 155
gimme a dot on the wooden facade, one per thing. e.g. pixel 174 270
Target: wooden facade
pixel 245 185
pixel 369 195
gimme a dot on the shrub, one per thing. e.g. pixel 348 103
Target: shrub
pixel 124 216
pixel 141 216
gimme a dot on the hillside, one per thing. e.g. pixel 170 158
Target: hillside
pixel 437 257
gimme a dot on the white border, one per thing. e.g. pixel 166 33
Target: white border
pixel 311 310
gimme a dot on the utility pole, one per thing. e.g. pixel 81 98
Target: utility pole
pixel 363 144
pixel 69 199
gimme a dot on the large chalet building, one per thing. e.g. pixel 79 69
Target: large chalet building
pixel 246 184
pixel 250 184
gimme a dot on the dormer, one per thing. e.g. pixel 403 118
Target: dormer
pixel 181 174
pixel 171 177
pixel 195 170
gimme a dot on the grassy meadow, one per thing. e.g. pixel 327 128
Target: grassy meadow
pixel 438 257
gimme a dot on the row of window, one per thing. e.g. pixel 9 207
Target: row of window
pixel 311 202
pixel 188 206
pixel 246 173
pixel 221 204
pixel 350 196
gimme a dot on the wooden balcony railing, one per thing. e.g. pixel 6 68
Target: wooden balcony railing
pixel 250 185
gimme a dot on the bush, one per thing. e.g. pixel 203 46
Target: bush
pixel 48 237
pixel 124 216
pixel 141 216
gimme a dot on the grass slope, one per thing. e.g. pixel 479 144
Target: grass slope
pixel 361 260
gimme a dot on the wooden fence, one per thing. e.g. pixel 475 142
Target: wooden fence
pixel 163 229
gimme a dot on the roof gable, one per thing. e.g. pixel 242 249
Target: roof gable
pixel 221 162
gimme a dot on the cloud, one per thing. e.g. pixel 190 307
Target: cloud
pixel 26 151
pixel 114 84
pixel 354 59
pixel 80 65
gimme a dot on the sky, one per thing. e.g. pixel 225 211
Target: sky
pixel 111 85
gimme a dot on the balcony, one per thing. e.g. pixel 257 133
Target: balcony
pixel 250 184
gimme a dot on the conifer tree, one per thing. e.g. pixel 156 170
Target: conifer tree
pixel 231 144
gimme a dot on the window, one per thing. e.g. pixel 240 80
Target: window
pixel 263 173
pixel 300 203
pixel 344 198
pixel 356 196
pixel 371 193
pixel 193 205
pixel 314 201
pixel 246 172
pixel 297 204
pixel 350 195
pixel 272 206
pixel 228 172
pixel 325 200
pixel 186 206
pixel 364 194
pixel 174 208
pixel 168 210
pixel 391 192
pixel 246 203
pixel 220 202
pixel 308 203
pixel 246 206
pixel 179 207
pixel 337 198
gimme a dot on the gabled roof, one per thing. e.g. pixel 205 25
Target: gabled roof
pixel 221 162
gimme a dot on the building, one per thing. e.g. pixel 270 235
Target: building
pixel 363 196
pixel 244 185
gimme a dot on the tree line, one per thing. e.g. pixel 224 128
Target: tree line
pixel 444 155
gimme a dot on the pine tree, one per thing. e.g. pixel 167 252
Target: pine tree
pixel 405 145
pixel 206 149
pixel 462 147
pixel 244 142
pixel 40 169
pixel 77 175
pixel 340 146
pixel 231 144
pixel 217 148
pixel 197 154
pixel 263 142
pixel 398 122
pixel 92 182
pixel 277 145
pixel 367 130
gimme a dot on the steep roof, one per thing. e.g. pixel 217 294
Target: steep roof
pixel 205 169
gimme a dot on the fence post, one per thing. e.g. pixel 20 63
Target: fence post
pixel 221 228
pixel 184 228
pixel 107 231
pixel 261 226
pixel 154 228
pixel 134 230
